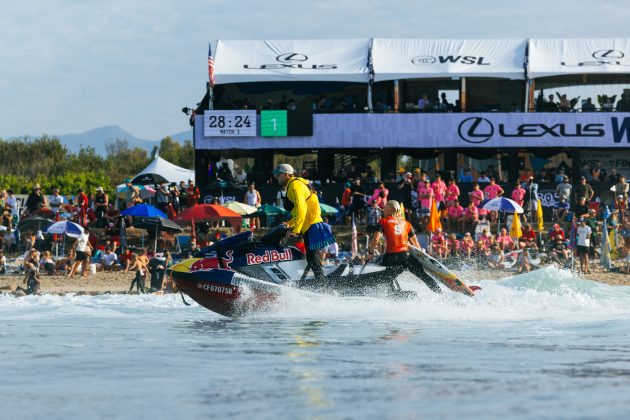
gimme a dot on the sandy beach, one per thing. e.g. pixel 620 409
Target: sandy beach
pixel 119 282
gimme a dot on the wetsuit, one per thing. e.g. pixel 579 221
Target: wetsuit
pixel 397 234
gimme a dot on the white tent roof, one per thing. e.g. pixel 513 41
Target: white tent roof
pixel 333 60
pixel 429 58
pixel 557 57
pixel 171 172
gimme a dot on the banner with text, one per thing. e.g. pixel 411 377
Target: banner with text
pixel 492 130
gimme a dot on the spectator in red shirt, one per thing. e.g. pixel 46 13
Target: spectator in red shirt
pixel 82 203
pixel 555 231
pixel 528 236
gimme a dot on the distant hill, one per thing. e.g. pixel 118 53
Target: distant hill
pixel 99 137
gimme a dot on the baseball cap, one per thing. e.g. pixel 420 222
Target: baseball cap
pixel 283 168
pixel 99 188
pixel 581 219
pixel 582 177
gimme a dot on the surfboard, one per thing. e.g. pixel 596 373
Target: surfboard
pixel 436 269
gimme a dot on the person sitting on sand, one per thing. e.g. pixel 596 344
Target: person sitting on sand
pixel 47 264
pixel 31 278
pixel 495 259
pixel 559 250
pixel 138 264
pixel 109 260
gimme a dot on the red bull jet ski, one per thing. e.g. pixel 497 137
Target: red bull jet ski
pixel 240 274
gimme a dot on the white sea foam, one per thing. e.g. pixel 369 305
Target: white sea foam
pixel 542 294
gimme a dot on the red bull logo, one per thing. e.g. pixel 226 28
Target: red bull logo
pixel 269 256
pixel 206 264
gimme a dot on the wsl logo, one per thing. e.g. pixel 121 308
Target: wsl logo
pixel 427 60
pixel 292 60
pixel 607 57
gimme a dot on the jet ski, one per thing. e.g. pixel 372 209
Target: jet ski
pixel 240 274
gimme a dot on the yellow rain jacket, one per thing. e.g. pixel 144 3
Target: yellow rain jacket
pixel 306 210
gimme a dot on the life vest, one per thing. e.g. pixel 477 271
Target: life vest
pixel 288 204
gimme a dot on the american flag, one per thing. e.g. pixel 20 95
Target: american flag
pixel 210 66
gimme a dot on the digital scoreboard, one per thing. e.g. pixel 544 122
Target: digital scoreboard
pixel 240 123
pixel 283 123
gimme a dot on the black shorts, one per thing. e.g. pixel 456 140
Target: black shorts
pixel 582 250
pixel 371 228
pixel 81 256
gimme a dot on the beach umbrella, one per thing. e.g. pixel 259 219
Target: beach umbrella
pixel 268 210
pixel 208 212
pixel 66 227
pixel 328 210
pixel 148 179
pixel 143 210
pixel 44 212
pixel 157 225
pixel 502 204
pixel 34 223
pixel 240 208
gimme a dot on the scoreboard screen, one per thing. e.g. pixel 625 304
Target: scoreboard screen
pixel 283 123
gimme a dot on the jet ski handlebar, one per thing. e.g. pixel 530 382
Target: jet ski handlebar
pixel 275 235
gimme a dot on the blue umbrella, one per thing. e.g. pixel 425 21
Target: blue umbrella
pixel 65 226
pixel 143 210
pixel 503 204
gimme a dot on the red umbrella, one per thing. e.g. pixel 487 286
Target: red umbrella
pixel 208 212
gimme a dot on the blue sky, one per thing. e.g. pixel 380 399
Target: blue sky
pixel 69 66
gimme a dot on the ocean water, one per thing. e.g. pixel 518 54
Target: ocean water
pixel 540 345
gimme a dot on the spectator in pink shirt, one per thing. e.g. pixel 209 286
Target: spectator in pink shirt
pixel 505 240
pixel 380 195
pixel 476 195
pixel 456 216
pixel 453 244
pixel 518 194
pixel 493 190
pixel 439 189
pixel 471 215
pixel 425 197
pixel 452 193
pixel 467 244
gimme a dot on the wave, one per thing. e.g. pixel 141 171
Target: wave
pixel 548 293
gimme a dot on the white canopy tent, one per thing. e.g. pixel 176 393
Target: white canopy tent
pixel 432 58
pixel 329 60
pixel 557 57
pixel 171 172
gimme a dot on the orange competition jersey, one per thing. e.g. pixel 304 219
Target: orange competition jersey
pixel 396 234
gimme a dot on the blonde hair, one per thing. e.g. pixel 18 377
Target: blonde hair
pixel 396 209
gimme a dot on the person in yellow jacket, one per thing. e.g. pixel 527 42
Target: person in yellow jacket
pixel 306 216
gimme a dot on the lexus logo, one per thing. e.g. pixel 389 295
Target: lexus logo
pixel 475 130
pixel 608 55
pixel 291 58
pixel 423 60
